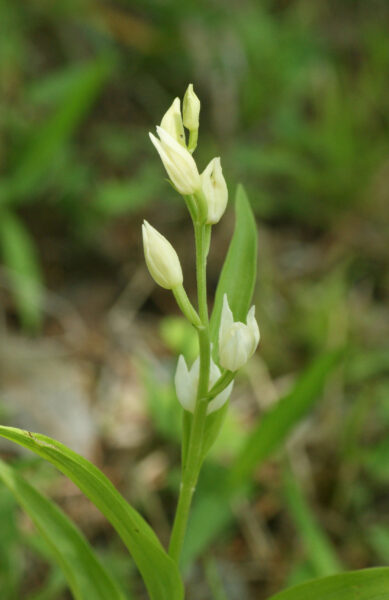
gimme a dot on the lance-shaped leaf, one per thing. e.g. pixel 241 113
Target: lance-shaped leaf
pixel 238 274
pixel 367 584
pixel 159 572
pixel 86 576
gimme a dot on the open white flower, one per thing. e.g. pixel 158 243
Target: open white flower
pixel 187 380
pixel 237 341
pixel 215 190
pixel 161 258
pixel 172 122
pixel 178 162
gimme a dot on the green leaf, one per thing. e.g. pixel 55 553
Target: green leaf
pixel 82 87
pixel 159 572
pixel 367 584
pixel 20 258
pixel 213 425
pixel 318 547
pixel 11 567
pixel 237 278
pixel 87 578
pixel 276 424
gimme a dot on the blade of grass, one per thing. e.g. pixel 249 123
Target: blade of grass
pixel 319 550
pixel 276 424
pixel 36 160
pixel 86 576
pixel 21 261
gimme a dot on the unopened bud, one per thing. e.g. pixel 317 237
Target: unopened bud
pixel 172 122
pixel 178 163
pixel 191 109
pixel 161 258
pixel 237 341
pixel 215 190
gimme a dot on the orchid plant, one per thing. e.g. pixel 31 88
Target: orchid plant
pixel 227 337
pixel 206 387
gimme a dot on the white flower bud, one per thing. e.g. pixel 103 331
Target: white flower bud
pixel 178 163
pixel 187 380
pixel 161 258
pixel 172 122
pixel 237 341
pixel 191 109
pixel 215 190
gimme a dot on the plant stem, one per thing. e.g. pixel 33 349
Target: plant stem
pixel 186 306
pixel 202 244
pixel 221 384
pixel 192 143
pixel 191 206
pixel 191 467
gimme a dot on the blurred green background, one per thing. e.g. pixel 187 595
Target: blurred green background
pixel 295 101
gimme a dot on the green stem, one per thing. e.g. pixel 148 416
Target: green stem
pixel 191 467
pixel 191 206
pixel 192 143
pixel 186 306
pixel 221 384
pixel 207 238
pixel 202 245
pixel 202 210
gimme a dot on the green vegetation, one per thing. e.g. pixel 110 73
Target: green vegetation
pixel 295 99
